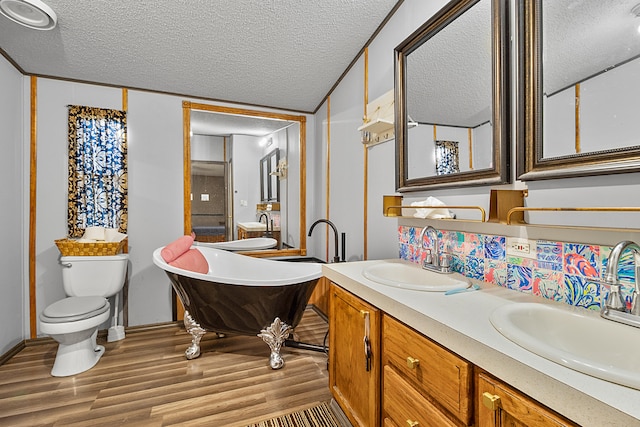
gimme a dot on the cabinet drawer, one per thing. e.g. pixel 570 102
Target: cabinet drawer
pixel 434 371
pixel 404 406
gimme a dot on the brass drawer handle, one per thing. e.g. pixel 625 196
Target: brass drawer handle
pixel 412 423
pixel 491 401
pixel 412 363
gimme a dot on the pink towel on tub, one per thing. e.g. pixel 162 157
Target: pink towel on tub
pixel 176 248
pixel 192 260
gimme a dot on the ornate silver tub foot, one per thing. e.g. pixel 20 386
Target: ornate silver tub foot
pixel 274 336
pixel 196 335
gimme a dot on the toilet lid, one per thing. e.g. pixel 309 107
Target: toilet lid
pixel 74 308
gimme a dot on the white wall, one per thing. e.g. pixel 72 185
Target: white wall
pixel 246 178
pixel 316 182
pixel 155 199
pixel 608 113
pixel 347 166
pixel 207 148
pixel 13 308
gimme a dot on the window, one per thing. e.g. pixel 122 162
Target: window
pixel 447 157
pixel 97 169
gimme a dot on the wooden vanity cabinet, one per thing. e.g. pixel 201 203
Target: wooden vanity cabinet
pixel 423 382
pixel 499 405
pixel 354 381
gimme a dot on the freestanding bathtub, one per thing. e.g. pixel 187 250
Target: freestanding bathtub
pixel 242 295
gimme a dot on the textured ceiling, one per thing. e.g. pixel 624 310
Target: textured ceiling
pixel 449 76
pixel 585 37
pixel 279 53
pixel 208 123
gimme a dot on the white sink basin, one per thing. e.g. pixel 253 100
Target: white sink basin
pixel 408 275
pixel 575 339
pixel 253 244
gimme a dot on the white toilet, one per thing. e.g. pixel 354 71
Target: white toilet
pixel 73 322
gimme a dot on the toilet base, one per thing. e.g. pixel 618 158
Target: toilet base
pixel 72 359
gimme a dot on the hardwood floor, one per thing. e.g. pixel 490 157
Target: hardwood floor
pixel 145 380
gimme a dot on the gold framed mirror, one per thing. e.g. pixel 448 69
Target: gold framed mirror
pixel 291 217
pixel 579 65
pixel 452 115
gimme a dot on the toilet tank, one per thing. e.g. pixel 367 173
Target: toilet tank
pixel 93 275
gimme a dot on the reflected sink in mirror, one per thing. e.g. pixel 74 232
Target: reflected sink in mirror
pixel 253 244
pixel 408 275
pixel 253 225
pixel 575 339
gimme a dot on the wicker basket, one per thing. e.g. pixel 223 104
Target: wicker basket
pixel 70 247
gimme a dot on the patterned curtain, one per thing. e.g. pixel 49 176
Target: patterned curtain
pixel 447 157
pixel 97 169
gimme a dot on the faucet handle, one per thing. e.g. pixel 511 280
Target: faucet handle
pixel 445 262
pixel 445 259
pixel 614 300
pixel 428 259
pixel 635 303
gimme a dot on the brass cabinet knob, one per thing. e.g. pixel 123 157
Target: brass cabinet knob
pixel 412 363
pixel 491 401
pixel 412 423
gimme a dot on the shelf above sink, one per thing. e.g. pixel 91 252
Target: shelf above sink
pixel 578 340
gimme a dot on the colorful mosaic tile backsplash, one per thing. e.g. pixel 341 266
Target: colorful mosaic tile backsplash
pixel 561 271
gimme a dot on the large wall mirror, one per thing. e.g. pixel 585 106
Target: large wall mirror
pixel 452 98
pixel 579 62
pixel 233 160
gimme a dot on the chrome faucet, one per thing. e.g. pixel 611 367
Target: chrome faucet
pixel 336 257
pixel 614 307
pixel 267 233
pixel 434 260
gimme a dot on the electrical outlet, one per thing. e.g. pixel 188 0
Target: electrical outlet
pixel 521 247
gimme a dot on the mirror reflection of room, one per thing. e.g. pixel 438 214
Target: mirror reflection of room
pixel 209 199
pixel 239 185
pixel 449 97
pixel 590 78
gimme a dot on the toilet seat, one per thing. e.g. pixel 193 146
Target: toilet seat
pixel 73 309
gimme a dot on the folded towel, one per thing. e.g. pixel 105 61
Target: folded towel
pixel 113 235
pixel 192 260
pixel 93 233
pixel 431 213
pixel 176 248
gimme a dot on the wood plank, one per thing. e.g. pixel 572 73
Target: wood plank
pixel 146 380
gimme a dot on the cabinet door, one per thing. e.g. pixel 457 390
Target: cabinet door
pixel 502 406
pixel 354 380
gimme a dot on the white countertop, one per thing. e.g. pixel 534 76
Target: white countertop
pixel 461 323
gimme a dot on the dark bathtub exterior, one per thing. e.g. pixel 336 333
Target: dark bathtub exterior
pixel 241 309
